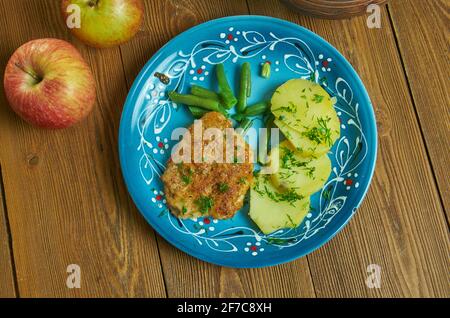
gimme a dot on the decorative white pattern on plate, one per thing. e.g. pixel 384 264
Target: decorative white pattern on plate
pixel 302 62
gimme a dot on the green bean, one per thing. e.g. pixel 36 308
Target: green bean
pixel 262 153
pixel 238 117
pixel 192 100
pixel 245 125
pixel 204 93
pixel 226 94
pixel 257 109
pixel 197 112
pixel 245 87
pixel 249 84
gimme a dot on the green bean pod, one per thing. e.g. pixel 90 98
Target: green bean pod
pixel 245 125
pixel 226 94
pixel 245 87
pixel 204 93
pixel 192 100
pixel 197 112
pixel 257 109
pixel 263 151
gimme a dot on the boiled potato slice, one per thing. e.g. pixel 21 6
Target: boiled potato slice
pixel 303 175
pixel 273 210
pixel 305 107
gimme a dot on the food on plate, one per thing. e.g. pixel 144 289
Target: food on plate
pixel 209 188
pixel 225 91
pixel 303 175
pixel 265 70
pixel 245 87
pixel 204 93
pixel 48 84
pixel 300 166
pixel 103 23
pixel 272 209
pixel 305 114
pixel 192 100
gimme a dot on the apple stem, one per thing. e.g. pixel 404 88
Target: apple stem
pixel 31 73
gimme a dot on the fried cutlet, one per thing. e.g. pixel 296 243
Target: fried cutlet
pixel 211 187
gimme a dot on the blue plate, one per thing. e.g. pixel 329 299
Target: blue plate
pixel 149 118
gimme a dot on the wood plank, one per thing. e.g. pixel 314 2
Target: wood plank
pixel 424 40
pixel 401 225
pixel 66 201
pixel 7 289
pixel 206 280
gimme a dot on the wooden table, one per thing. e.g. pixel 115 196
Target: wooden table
pixel 64 201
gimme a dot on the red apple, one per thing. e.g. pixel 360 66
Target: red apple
pixel 103 23
pixel 48 84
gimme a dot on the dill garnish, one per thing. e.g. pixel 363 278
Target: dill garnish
pixel 318 98
pixel 292 108
pixel 320 134
pixel 289 196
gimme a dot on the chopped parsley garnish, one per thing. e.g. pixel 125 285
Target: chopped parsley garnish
pixel 184 210
pixel 186 174
pixel 186 179
pixel 242 180
pixel 223 187
pixel 204 204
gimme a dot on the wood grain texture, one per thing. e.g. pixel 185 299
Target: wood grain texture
pixel 66 201
pixel 7 287
pixel 184 275
pixel 424 45
pixel 332 9
pixel 401 225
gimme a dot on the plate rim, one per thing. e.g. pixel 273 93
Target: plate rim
pixel 321 241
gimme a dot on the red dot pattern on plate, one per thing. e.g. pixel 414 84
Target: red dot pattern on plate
pixel 348 182
pixel 159 198
pixel 325 63
pixel 253 248
pixel 230 37
pixel 160 145
pixel 206 221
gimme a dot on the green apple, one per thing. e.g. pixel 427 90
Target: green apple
pixel 104 23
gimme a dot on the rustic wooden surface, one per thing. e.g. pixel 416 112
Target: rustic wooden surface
pixel 63 200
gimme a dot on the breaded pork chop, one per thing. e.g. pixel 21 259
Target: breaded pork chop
pixel 211 187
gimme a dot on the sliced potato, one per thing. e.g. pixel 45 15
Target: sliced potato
pixel 303 175
pixel 306 108
pixel 273 210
